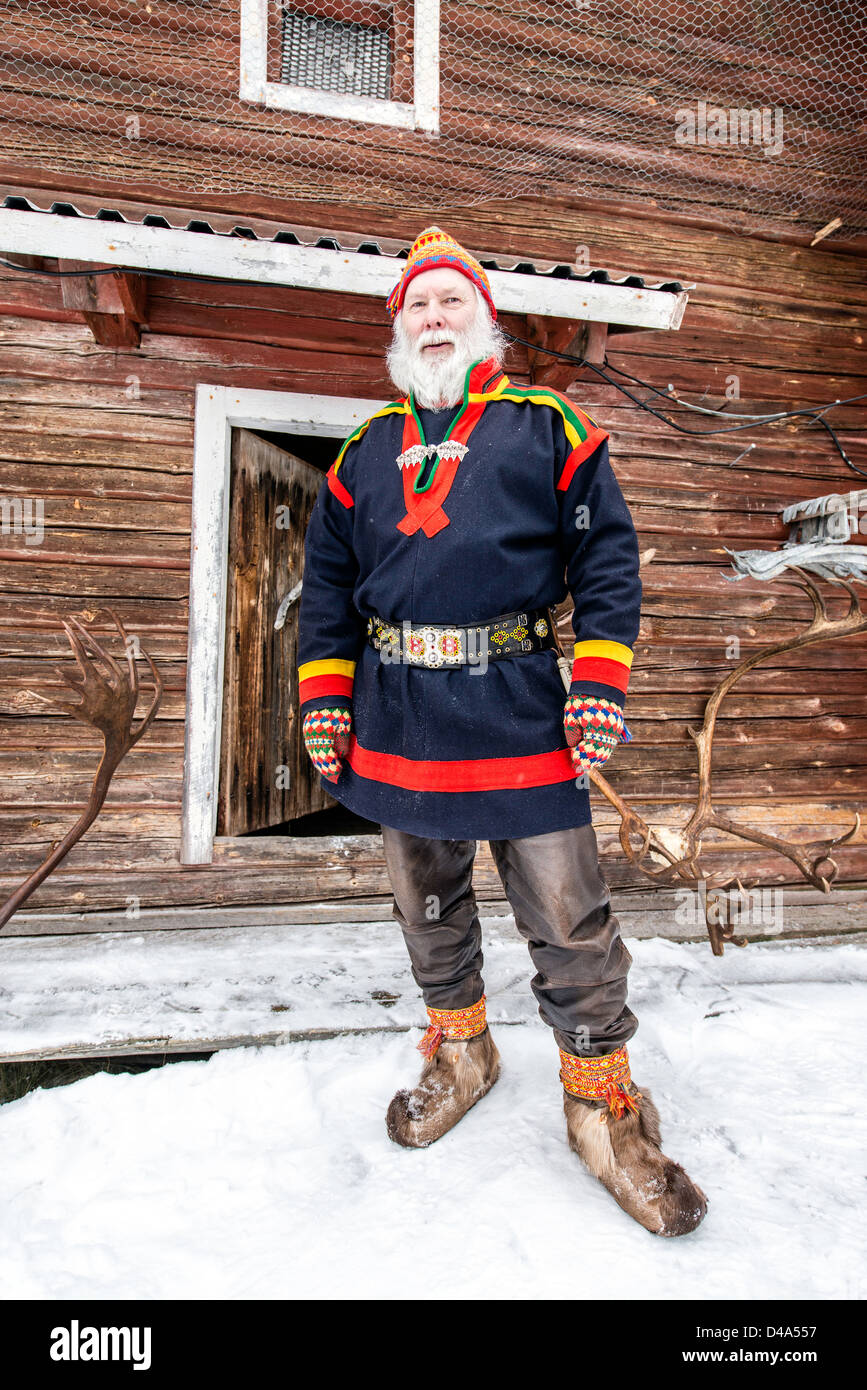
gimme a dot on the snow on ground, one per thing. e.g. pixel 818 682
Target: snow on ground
pixel 268 1173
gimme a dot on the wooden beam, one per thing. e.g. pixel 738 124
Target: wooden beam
pixel 113 306
pixel 579 338
pixel 25 261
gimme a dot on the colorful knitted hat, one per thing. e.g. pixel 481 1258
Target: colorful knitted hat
pixel 433 248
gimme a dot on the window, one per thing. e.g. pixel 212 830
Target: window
pixel 357 60
pixel 336 56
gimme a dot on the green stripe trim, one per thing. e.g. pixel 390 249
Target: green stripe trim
pixel 395 407
pixel 461 412
pixel 523 393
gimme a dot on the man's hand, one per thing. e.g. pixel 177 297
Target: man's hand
pixel 594 727
pixel 326 734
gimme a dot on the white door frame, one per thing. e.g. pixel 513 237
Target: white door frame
pixel 218 410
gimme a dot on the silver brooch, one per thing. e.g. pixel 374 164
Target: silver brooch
pixel 448 449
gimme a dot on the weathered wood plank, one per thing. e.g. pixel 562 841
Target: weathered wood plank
pixel 62 772
pixel 157 466
pixel 87 518
pixel 266 777
pixel 197 885
pixel 97 862
pixel 48 642
pixel 109 421
pixel 651 908
pixel 96 581
pixel 800 818
pixel 131 549
pixel 115 825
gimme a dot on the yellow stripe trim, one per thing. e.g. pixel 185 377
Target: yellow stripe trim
pixel 572 434
pixel 494 395
pixel 331 667
pixel 543 397
pixel 395 408
pixel 614 651
pixel 500 392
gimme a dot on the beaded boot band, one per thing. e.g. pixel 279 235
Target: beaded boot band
pixel 600 1078
pixel 456 1024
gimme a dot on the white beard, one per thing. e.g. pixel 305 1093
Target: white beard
pixel 438 381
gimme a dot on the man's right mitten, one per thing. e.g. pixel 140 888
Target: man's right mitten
pixel 326 732
pixel 594 727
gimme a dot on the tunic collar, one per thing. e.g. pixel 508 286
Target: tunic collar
pixel 484 377
pixel 423 499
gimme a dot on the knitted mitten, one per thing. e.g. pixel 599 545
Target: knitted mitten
pixel 594 727
pixel 326 733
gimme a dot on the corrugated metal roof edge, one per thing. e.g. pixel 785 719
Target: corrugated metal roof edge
pixel 365 246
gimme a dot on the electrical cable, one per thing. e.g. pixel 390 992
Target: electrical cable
pixel 754 421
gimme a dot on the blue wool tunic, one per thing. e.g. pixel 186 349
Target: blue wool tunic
pixel 531 513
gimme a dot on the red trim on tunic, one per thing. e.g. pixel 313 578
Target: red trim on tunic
pixel 578 455
pixel 462 774
pixel 340 492
pixel 600 668
pixel 424 510
pixel 326 685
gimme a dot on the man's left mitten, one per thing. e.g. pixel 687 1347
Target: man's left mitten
pixel 594 727
pixel 326 734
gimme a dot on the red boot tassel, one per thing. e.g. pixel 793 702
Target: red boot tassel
pixel 456 1024
pixel 600 1078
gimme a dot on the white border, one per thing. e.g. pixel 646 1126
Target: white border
pixel 218 410
pixel 420 114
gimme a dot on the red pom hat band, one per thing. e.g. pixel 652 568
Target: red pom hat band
pixel 433 248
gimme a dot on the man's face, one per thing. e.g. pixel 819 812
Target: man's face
pixel 438 305
pixel 442 328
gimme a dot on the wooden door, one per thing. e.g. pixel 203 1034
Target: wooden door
pixel 266 777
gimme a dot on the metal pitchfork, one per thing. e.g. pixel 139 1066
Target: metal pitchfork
pixel 107 703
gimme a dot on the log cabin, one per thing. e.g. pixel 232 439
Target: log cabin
pixel 203 212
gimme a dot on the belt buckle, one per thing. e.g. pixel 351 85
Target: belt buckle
pixel 432 656
pixel 432 646
pixel 421 646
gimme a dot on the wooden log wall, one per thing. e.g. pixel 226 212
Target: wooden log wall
pixel 105 437
pixel 536 99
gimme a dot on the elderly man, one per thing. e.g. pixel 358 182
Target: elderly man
pixel 450 524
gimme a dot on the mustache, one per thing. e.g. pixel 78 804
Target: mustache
pixel 434 339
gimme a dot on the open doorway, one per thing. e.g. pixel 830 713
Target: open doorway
pixel 267 783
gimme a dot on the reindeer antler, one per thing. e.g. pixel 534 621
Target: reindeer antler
pixel 809 859
pixel 108 701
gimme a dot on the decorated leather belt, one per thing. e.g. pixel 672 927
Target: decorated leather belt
pixel 433 644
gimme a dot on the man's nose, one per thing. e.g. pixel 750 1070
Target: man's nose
pixel 434 317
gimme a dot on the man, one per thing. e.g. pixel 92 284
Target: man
pixel 450 524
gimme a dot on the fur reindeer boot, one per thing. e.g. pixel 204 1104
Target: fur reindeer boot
pixel 614 1129
pixel 461 1065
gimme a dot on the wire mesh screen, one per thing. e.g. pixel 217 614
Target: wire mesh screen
pixel 331 55
pixel 750 112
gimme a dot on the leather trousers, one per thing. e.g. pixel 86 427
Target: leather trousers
pixel 561 905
